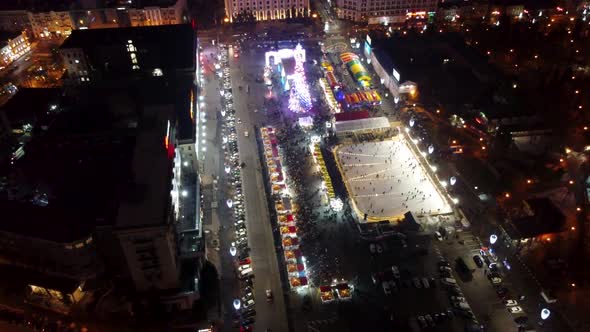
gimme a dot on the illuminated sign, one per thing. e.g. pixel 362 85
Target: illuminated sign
pixel 192 113
pixel 396 75
pixel 166 138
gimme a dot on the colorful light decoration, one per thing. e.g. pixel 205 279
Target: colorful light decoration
pixel 299 97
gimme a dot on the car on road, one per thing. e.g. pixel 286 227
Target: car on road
pixel 496 281
pixel 269 296
pixel 515 310
pixel 477 260
pixel 395 271
pixel 425 283
pixel 386 288
pixel 416 283
pixel 510 303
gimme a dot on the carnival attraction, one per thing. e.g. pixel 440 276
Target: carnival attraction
pixel 362 98
pixel 358 71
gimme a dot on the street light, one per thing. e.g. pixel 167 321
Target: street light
pixel 237 304
pixel 493 238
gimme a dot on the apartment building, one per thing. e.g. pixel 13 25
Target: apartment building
pixel 384 11
pixel 14 45
pixel 263 10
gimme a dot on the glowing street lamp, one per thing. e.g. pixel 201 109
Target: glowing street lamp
pixel 493 238
pixel 453 180
pixel 237 304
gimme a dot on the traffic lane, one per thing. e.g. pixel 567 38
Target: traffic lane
pixel 260 234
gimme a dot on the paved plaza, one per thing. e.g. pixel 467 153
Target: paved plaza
pixel 386 180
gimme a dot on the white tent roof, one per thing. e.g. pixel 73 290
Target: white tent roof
pixel 361 124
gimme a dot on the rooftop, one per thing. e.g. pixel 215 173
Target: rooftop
pixel 28 105
pixel 88 169
pixel 7 35
pixel 446 70
pixel 167 47
pixel 362 124
pixel 536 217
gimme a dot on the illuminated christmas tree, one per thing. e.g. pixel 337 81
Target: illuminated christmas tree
pixel 299 98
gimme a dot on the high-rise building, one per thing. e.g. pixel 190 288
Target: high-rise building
pixel 384 11
pixel 116 195
pixel 263 10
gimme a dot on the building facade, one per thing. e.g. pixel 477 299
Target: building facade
pixel 46 24
pixel 60 24
pixel 153 15
pixel 15 47
pixel 384 11
pixel 263 10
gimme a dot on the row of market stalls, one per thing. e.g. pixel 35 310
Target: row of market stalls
pixel 358 71
pixel 285 218
pixel 362 98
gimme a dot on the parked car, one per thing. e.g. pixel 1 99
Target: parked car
pixel 515 310
pixel 478 261
pixel 510 303
pixel 449 281
pixel 395 271
pixel 425 283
